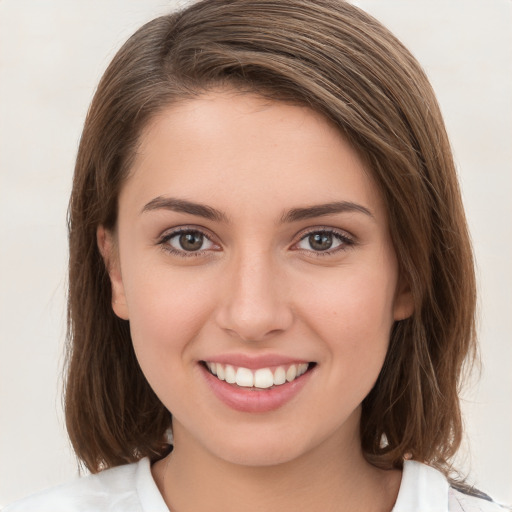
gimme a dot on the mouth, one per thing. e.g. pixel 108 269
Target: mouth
pixel 260 378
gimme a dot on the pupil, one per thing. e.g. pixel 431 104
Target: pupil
pixel 191 241
pixel 320 241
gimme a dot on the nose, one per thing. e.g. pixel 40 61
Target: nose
pixel 254 303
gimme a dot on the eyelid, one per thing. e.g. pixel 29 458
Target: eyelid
pixel 325 229
pixel 185 228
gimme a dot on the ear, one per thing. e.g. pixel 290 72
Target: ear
pixel 403 306
pixel 109 251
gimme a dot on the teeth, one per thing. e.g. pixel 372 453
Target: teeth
pixel 279 376
pixel 291 373
pixel 262 378
pixel 244 378
pixel 230 374
pixel 301 369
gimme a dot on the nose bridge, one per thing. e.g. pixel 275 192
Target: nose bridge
pixel 254 303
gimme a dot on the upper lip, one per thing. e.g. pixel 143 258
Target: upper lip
pixel 253 362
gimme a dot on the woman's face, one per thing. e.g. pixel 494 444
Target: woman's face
pixel 251 243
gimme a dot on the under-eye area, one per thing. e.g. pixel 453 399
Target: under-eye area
pixel 261 378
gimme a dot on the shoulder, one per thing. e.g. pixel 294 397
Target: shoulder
pixel 459 501
pixel 112 489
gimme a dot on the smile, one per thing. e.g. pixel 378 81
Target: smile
pixel 260 385
pixel 261 378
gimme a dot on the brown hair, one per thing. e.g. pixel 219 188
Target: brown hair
pixel 334 58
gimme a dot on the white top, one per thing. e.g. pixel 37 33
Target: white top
pixel 131 488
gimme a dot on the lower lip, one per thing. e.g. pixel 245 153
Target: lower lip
pixel 254 399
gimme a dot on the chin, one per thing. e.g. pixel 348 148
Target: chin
pixel 261 447
pixel 261 455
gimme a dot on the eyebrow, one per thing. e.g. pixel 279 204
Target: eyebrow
pixel 321 210
pixel 183 206
pixel 293 215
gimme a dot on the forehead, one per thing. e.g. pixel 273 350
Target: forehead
pixel 238 147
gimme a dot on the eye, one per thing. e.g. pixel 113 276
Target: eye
pixel 324 241
pixel 186 242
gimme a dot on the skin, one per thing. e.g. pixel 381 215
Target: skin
pixel 257 286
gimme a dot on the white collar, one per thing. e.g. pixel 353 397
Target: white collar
pixel 423 488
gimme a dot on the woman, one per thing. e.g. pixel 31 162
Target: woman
pixel 269 258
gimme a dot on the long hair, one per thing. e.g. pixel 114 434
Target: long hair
pixel 339 61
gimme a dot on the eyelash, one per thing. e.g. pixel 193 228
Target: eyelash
pixel 345 240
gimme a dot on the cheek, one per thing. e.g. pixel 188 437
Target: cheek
pixel 166 312
pixel 354 316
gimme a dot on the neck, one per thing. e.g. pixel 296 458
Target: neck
pixel 193 479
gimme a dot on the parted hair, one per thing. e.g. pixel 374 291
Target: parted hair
pixel 336 59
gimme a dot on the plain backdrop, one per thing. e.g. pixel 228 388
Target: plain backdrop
pixel 52 54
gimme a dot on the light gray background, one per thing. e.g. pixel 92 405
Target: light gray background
pixel 52 54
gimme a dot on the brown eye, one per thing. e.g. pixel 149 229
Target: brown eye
pixel 320 241
pixel 191 241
